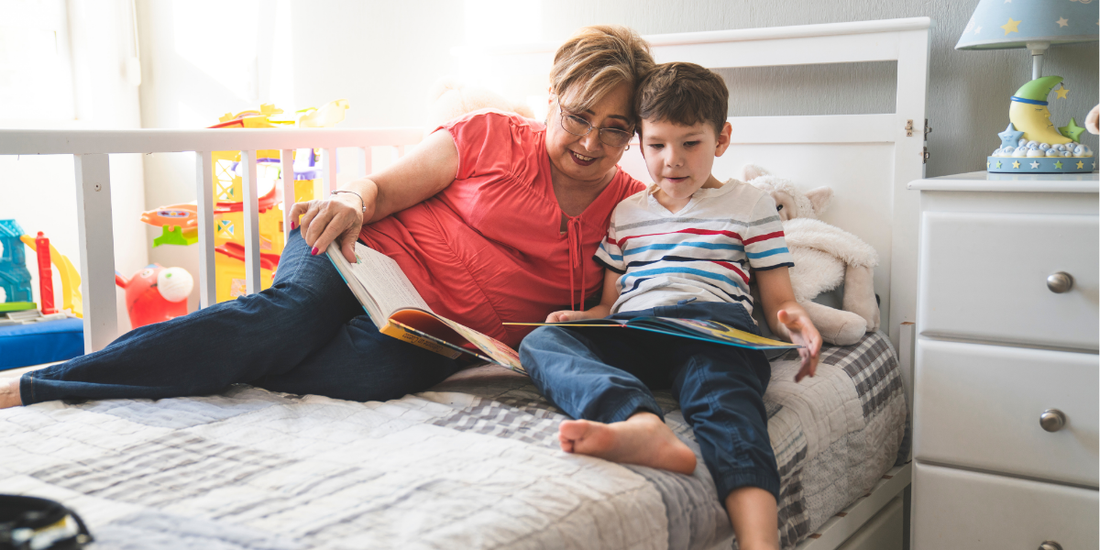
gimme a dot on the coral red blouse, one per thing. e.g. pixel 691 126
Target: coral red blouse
pixel 488 248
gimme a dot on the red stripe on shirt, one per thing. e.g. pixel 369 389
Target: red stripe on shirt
pixel 764 237
pixel 689 230
pixel 735 269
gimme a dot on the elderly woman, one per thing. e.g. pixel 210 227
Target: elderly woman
pixel 493 218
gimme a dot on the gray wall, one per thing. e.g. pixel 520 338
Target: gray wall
pixel 384 56
pixel 968 90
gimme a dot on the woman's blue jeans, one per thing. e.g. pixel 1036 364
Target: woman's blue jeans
pixel 305 334
pixel 607 374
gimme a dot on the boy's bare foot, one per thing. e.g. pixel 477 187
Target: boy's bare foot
pixel 9 392
pixel 643 439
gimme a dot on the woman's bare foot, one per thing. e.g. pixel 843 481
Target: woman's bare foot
pixel 643 439
pixel 9 392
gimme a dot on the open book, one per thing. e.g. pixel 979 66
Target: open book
pixel 398 310
pixel 709 331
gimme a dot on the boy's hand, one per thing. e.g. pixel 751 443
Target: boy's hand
pixel 803 332
pixel 562 316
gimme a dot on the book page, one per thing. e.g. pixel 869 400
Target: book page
pixel 386 283
pixel 376 281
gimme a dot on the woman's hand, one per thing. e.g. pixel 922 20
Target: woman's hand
pixel 802 332
pixel 338 219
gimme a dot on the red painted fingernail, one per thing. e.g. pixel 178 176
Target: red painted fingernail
pixel 314 251
pixel 293 226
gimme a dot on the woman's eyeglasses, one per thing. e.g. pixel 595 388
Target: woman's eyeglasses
pixel 612 137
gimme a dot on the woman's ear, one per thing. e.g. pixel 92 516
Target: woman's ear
pixel 723 139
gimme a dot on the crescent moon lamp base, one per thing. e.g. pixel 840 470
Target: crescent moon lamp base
pixel 1040 165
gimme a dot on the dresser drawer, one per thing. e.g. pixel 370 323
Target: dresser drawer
pixel 959 509
pixel 984 276
pixel 979 406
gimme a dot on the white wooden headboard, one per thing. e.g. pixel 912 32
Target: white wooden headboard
pixel 867 159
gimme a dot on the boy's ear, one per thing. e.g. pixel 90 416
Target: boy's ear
pixel 723 139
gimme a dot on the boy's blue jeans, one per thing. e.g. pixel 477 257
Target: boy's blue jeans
pixel 305 334
pixel 606 374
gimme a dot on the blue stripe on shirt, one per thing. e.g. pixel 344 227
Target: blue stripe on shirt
pixel 697 272
pixel 670 246
pixel 766 253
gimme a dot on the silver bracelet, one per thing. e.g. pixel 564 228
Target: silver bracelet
pixel 361 201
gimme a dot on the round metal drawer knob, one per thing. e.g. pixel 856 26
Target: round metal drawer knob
pixel 1050 545
pixel 1052 420
pixel 1060 282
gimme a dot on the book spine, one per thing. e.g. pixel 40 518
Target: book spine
pixel 390 329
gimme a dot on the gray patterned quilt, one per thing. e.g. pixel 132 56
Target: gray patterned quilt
pixel 472 464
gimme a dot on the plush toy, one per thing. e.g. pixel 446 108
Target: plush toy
pixel 825 258
pixel 450 99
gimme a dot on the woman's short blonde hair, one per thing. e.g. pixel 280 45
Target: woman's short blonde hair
pixel 597 59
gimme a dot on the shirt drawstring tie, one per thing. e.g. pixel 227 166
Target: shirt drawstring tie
pixel 576 254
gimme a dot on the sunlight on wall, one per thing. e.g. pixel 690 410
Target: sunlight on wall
pixel 220 39
pixel 497 22
pixel 35 72
pixel 501 23
pixel 282 59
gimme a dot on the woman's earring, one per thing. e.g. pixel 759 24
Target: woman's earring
pixel 627 147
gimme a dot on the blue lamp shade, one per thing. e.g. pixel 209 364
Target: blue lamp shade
pixel 999 24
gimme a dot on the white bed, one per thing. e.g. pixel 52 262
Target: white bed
pixel 472 464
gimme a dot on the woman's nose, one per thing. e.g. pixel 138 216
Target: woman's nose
pixel 591 140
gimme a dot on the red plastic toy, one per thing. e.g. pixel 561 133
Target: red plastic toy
pixel 45 274
pixel 156 294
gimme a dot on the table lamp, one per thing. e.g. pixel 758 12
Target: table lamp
pixel 1031 143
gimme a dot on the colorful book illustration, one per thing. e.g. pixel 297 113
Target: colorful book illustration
pixel 708 331
pixel 398 310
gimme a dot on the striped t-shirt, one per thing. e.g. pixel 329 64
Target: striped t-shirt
pixel 705 251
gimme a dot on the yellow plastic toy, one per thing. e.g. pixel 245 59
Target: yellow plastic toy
pixel 179 228
pixel 71 299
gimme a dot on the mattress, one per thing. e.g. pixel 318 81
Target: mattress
pixel 473 463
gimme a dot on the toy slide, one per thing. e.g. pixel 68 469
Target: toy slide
pixel 70 278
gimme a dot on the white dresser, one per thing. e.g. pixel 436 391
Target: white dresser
pixel 1005 390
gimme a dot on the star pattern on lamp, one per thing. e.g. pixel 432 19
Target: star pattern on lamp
pixel 1061 92
pixel 1010 137
pixel 1072 130
pixel 1016 164
pixel 998 164
pixel 1035 165
pixel 1063 22
pixel 1011 26
pixel 1058 164
pixel 1080 164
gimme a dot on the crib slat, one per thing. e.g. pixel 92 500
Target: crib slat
pixel 286 161
pixel 204 192
pixel 328 170
pixel 251 216
pixel 97 245
pixel 364 161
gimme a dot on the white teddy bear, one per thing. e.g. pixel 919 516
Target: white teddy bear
pixel 825 257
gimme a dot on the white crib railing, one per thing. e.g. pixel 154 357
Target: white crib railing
pixel 91 150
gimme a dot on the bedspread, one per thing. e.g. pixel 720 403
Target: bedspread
pixel 474 463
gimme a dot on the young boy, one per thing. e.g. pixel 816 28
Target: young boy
pixel 685 247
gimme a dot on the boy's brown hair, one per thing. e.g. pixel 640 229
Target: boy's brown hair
pixel 683 93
